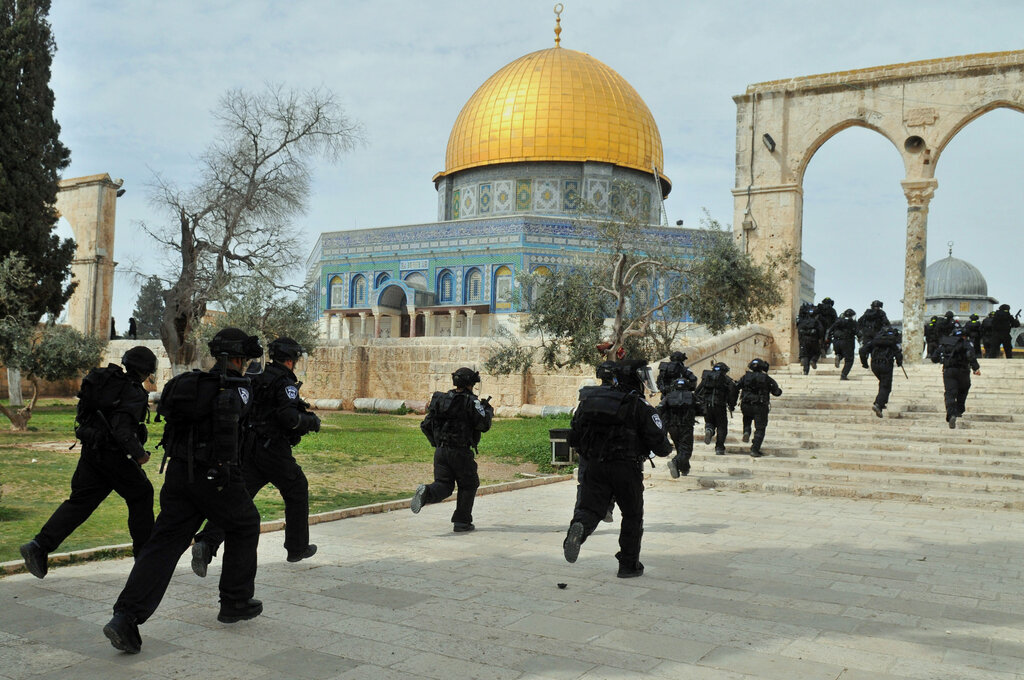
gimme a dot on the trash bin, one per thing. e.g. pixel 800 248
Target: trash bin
pixel 561 454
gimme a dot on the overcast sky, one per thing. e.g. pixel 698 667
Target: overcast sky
pixel 135 83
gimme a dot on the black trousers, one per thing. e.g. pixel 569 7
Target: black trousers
pixel 456 468
pixel 273 463
pixel 845 350
pixel 623 480
pixel 716 419
pixel 97 474
pixel 976 343
pixel 1000 342
pixel 680 429
pixel 756 414
pixel 810 351
pixel 956 382
pixel 183 507
pixel 884 375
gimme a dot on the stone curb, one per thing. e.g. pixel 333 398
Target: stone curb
pixel 125 549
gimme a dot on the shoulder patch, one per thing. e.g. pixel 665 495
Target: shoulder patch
pixel 657 420
pixel 243 392
pixel 480 407
pixel 292 392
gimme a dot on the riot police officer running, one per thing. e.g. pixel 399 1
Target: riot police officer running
pixel 205 414
pixel 455 419
pixel 113 408
pixel 827 315
pixel 678 408
pixel 614 428
pixel 278 420
pixel 843 334
pixel 717 393
pixel 1002 322
pixel 932 331
pixel 811 333
pixel 884 348
pixel 972 329
pixel 956 354
pixel 757 388
pixel 871 322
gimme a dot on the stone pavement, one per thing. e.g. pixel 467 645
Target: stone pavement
pixel 738 586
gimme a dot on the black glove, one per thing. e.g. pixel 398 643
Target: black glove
pixel 219 476
pixel 310 422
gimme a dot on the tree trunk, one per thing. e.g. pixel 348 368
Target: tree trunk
pixel 15 398
pixel 19 417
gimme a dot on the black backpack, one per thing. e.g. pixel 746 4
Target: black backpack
pixel 99 394
pixel 450 421
pixel 600 428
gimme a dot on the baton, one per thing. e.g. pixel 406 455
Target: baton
pixel 905 373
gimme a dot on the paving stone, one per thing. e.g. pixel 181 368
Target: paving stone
pixel 295 663
pixel 768 666
pixel 376 595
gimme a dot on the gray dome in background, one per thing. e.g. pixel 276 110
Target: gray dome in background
pixel 954 278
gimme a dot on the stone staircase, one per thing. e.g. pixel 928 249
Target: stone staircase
pixel 823 439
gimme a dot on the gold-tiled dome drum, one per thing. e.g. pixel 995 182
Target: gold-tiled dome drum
pixel 555 105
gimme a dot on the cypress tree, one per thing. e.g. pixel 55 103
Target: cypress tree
pixel 31 157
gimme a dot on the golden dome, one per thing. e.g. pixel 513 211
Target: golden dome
pixel 555 105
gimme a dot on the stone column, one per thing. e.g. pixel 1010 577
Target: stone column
pixel 469 322
pixel 919 194
pixel 362 324
pixel 345 329
pixel 428 324
pixel 454 313
pixel 412 322
pixel 376 324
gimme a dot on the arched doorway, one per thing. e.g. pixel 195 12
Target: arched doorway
pixel 392 305
pixel 917 106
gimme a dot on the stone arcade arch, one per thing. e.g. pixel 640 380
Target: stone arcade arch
pixel 89 206
pixel 919 107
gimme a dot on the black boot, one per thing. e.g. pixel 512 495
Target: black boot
pixel 202 555
pixel 123 633
pixel 299 555
pixel 230 612
pixel 35 558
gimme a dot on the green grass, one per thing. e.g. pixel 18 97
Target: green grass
pixel 354 460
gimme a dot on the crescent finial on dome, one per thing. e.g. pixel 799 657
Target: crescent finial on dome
pixel 558 24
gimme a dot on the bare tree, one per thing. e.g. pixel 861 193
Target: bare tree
pixel 237 217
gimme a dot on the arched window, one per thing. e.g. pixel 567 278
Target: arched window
pixel 474 286
pixel 503 288
pixel 359 291
pixel 538 285
pixel 337 288
pixel 416 280
pixel 446 286
pixel 382 278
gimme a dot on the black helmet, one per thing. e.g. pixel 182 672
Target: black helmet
pixel 876 304
pixel 1005 308
pixel 283 349
pixel 234 342
pixel 465 377
pixel 606 372
pixel 974 317
pixel 992 313
pixel 933 319
pixel 677 356
pixel 849 313
pixel 828 301
pixel 634 374
pixel 140 360
pixel 949 314
pixel 758 365
pixel 720 367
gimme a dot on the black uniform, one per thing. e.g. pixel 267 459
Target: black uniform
pixel 828 315
pixel 455 419
pixel 278 420
pixel 884 349
pixel 678 409
pixel 870 322
pixel 717 394
pixel 811 334
pixel 956 354
pixel 988 336
pixel 614 429
pixel 972 329
pixel 112 410
pixel 932 335
pixel 1002 322
pixel 205 414
pixel 757 389
pixel 945 326
pixel 843 334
